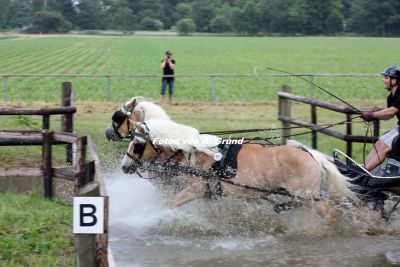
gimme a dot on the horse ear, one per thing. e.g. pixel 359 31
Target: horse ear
pixel 141 128
pixel 137 125
pixel 133 124
pixel 131 104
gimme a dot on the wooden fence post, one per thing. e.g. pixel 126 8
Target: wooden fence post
pixel 45 122
pixel 102 239
pixel 80 162
pixel 314 142
pixel 85 244
pixel 47 163
pixel 285 110
pixel 349 131
pixel 67 119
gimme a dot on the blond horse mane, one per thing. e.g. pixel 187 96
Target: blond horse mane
pixel 147 110
pixel 175 136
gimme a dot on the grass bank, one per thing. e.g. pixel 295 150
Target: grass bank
pixel 35 231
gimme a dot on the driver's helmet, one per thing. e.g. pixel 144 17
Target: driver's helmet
pixel 393 72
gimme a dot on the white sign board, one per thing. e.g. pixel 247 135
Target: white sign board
pixel 88 215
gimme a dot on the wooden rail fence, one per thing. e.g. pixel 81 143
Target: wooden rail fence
pixel 82 172
pixel 285 116
pixel 67 110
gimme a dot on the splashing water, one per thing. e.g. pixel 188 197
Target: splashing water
pixel 234 232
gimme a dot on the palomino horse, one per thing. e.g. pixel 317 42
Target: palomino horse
pixel 135 109
pixel 306 176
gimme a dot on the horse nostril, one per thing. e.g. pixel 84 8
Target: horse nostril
pixel 128 170
pixel 125 169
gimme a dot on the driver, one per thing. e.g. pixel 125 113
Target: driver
pixel 391 81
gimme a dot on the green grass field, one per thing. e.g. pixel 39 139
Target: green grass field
pixel 194 55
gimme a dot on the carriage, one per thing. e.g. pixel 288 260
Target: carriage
pixel 372 187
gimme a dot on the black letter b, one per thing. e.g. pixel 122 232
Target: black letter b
pixel 88 214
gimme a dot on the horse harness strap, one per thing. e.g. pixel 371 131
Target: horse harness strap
pixel 224 153
pixel 226 167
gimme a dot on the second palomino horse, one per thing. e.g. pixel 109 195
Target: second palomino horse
pixel 307 176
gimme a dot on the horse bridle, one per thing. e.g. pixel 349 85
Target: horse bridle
pixel 118 119
pixel 142 146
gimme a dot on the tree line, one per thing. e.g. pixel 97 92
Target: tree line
pixel 243 17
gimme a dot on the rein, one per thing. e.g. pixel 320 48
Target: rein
pixel 369 133
pixel 320 127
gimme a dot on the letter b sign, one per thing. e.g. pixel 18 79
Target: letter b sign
pixel 88 215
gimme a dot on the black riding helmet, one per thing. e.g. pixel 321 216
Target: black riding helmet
pixel 393 72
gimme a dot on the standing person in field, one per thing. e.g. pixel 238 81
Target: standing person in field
pixel 168 65
pixel 391 81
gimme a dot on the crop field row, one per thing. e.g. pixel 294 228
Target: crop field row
pixel 194 55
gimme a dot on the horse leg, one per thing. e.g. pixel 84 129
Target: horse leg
pixel 190 193
pixel 327 212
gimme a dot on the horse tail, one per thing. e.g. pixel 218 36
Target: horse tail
pixel 337 184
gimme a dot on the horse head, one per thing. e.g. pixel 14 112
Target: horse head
pixel 120 126
pixel 136 109
pixel 140 149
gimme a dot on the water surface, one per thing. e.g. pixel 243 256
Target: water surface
pixel 233 232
